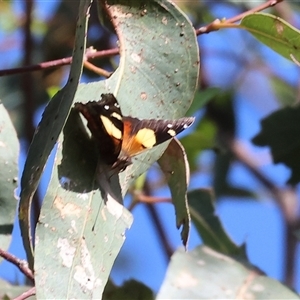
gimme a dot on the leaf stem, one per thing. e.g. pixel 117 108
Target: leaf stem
pixel 26 294
pixel 58 62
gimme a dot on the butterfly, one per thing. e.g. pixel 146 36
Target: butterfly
pixel 119 137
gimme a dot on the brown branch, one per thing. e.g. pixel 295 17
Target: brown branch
pixel 27 80
pixel 162 235
pixel 142 198
pixel 286 200
pixel 241 154
pixel 217 24
pixel 149 200
pixel 291 256
pixel 21 264
pixel 58 62
pixel 26 294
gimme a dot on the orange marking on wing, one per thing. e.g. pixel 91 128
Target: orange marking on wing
pixel 130 145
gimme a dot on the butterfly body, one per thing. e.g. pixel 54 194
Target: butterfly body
pixel 118 137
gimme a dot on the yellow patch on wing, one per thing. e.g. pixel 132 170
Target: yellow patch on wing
pixel 116 115
pixel 146 137
pixel 111 128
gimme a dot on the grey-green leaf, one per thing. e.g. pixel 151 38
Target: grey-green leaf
pixel 206 274
pixel 208 224
pixel 78 235
pixel 175 166
pixel 276 33
pixel 48 130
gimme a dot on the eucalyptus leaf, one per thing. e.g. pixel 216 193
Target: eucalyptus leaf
pixel 78 234
pixel 206 274
pixel 208 224
pixel 175 166
pixel 274 32
pixel 48 130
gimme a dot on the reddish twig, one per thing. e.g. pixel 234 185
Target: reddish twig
pixel 20 263
pixel 142 198
pixel 26 294
pixel 217 24
pixel 58 62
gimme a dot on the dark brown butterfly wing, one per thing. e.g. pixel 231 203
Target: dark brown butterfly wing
pixel 140 135
pixel 104 119
pixel 119 138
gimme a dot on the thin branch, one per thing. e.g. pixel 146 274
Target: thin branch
pixel 58 62
pixel 157 222
pixel 27 294
pixel 27 80
pixel 149 200
pixel 153 200
pixel 217 24
pixel 161 230
pixel 291 256
pixel 288 203
pixel 21 264
pixel 142 198
pixel 279 195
